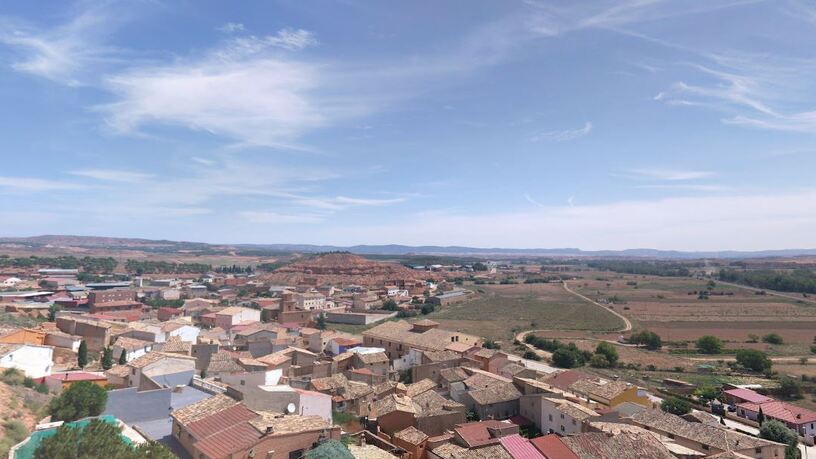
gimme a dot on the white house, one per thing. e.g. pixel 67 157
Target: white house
pixel 9 281
pixel 551 413
pixel 185 331
pixel 134 348
pixel 234 315
pixel 34 360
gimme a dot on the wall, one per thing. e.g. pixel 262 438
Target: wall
pixel 132 406
pixel 66 342
pixel 187 333
pixel 24 336
pixel 34 361
pixel 439 423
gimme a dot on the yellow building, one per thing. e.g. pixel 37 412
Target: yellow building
pixel 23 336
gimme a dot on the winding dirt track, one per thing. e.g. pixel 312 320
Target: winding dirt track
pixel 627 325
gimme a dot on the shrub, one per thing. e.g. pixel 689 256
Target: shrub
pixel 790 387
pixel 754 360
pixel 79 401
pixel 599 361
pixel 530 355
pixel 709 344
pixel 776 431
pixel 675 405
pixel 773 338
pixel 609 353
pixel 564 358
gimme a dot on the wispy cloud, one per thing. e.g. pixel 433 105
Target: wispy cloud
pixel 231 27
pixel 110 175
pixel 31 184
pixel 563 136
pixel 669 174
pixel 268 217
pixel 532 201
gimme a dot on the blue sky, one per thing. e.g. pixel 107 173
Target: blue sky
pixel 600 125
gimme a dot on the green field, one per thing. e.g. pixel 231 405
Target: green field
pixel 500 312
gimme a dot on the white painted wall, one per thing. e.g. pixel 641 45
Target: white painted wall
pixel 34 361
pixel 187 333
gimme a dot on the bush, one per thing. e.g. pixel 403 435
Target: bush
pixel 773 338
pixel 330 449
pixel 530 355
pixel 599 361
pixel 564 358
pixel 776 431
pixel 754 360
pixel 79 401
pixel 675 405
pixel 790 388
pixel 608 351
pixel 709 344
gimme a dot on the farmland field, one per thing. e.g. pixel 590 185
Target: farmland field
pixel 671 307
pixel 502 310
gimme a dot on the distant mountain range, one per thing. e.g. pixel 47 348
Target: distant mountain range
pixel 390 249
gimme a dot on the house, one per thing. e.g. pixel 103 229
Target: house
pixel 228 317
pixel 102 301
pixel 33 360
pixel 553 446
pixel 96 333
pixel 220 428
pixel 309 301
pixel 490 396
pixel 58 382
pixel 601 445
pixel 412 440
pixel 399 337
pixel 708 439
pixel 741 395
pixel 132 347
pixel 22 336
pixel 154 370
pixel 57 338
pixel 553 413
pixel 280 397
pixel 341 344
pixel 799 419
pixel 610 393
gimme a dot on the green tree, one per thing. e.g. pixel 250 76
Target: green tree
pixel 79 401
pixel 709 344
pixel 52 312
pixel 599 361
pixel 107 358
pixel 774 430
pixel 320 323
pixel 675 405
pixel 389 305
pixel 330 449
pixel 773 338
pixel 760 416
pixel 650 340
pixel 753 359
pixel 563 358
pixel 472 416
pixel 608 351
pixel 707 393
pixel 82 355
pixel 97 439
pixel 790 388
pixel 490 344
pixel 123 357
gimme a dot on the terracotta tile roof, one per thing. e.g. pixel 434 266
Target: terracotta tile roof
pixel 453 374
pixel 220 420
pixel 412 390
pixel 782 411
pixel 132 344
pixel 155 356
pixel 459 347
pixel 600 388
pixel 330 383
pixel 485 353
pixel 748 395
pixel 431 403
pixel 553 448
pixel 452 451
pixel 392 403
pixel 433 339
pixel 441 356
pixel 221 362
pixel 711 435
pixel 495 393
pixel 411 435
pixel 202 409
pixel 286 424
pixel 564 379
pixel 119 370
pixel 373 357
pixel 479 433
pixel 76 376
pixel 222 444
pixel 598 445
pixel 175 344
pixel 520 447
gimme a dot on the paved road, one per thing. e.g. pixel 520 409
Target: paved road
pixel 790 296
pixel 627 325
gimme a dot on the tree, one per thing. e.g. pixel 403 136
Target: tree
pixel 773 338
pixel 707 393
pixel 650 340
pixel 675 405
pixel 790 387
pixel 490 344
pixel 79 401
pixel 82 355
pixel 389 305
pixel 321 321
pixel 97 439
pixel 774 430
pixel 599 361
pixel 608 351
pixel 754 360
pixel 52 312
pixel 563 358
pixel 760 416
pixel 107 358
pixel 709 344
pixel 427 308
pixel 472 416
pixel 123 357
pixel 329 449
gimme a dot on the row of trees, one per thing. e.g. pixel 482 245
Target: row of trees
pixel 140 267
pixel 87 264
pixel 570 356
pixel 652 268
pixel 798 280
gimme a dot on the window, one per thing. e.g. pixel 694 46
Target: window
pixel 243 383
pixel 550 416
pixel 562 428
pixel 573 422
pixel 562 415
pixel 757 450
pixel 705 447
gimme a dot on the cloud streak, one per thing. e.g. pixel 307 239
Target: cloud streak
pixel 563 136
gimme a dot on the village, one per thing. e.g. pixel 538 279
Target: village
pixel 234 364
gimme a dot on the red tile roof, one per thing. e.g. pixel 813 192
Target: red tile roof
pixel 223 444
pixel 78 376
pixel 219 421
pixel 748 395
pixel 520 448
pixel 782 411
pixel 553 448
pixel 565 379
pixel 477 433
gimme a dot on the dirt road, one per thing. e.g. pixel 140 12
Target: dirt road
pixel 627 325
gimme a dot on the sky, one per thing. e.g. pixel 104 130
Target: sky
pixel 682 125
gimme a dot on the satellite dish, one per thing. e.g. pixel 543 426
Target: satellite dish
pixel 290 408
